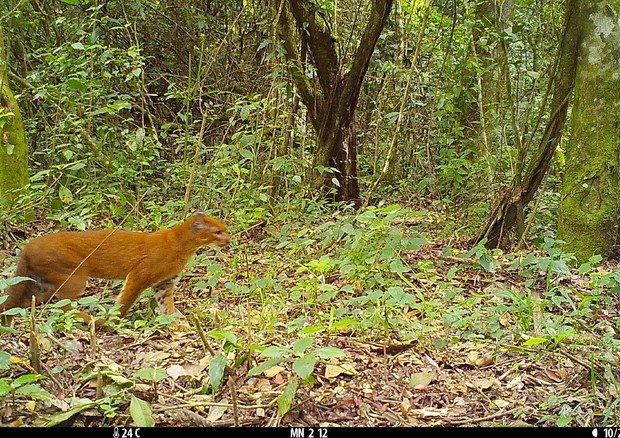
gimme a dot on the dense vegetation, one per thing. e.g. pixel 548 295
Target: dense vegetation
pixel 382 309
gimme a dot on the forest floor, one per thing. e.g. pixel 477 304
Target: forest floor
pixel 440 376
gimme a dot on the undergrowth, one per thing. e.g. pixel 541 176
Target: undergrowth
pixel 373 276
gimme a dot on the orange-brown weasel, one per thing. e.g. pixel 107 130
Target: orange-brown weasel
pixel 61 263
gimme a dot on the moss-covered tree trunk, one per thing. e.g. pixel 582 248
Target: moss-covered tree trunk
pixel 590 205
pixel 508 214
pixel 13 148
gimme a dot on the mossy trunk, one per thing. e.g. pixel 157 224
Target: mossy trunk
pixel 508 213
pixel 13 148
pixel 590 205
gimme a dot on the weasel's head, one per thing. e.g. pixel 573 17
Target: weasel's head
pixel 208 230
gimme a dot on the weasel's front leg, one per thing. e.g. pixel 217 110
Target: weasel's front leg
pixel 164 295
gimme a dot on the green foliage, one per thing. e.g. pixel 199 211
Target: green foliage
pixel 132 122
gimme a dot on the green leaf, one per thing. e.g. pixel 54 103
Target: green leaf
pixel 301 345
pixel 398 267
pixel 5 386
pixel 65 194
pixel 274 351
pixel 27 378
pixel 217 366
pixel 141 412
pixel 64 416
pixel 119 106
pixel 535 341
pixel 259 369
pixel 151 374
pixel 558 266
pixel 285 400
pixel 345 323
pixel 5 282
pixel 34 391
pixel 488 263
pixel 224 334
pixel 304 366
pixel 5 360
pixel 563 421
pixel 76 84
pixel 77 46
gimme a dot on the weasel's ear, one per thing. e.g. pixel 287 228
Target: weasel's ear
pixel 201 222
pixel 200 212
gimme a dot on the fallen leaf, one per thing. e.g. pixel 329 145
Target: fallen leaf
pixel 472 357
pixel 263 385
pixel 499 403
pixel 273 371
pixel 332 371
pixel 278 379
pixel 429 412
pixel 483 361
pixel 176 371
pixel 405 406
pixel 155 357
pixel 421 380
pixel 483 382
pixel 217 411
pixel 142 387
pixel 554 376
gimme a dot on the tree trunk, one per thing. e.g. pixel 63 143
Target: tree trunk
pixel 504 217
pixel 13 148
pixel 332 96
pixel 492 17
pixel 590 204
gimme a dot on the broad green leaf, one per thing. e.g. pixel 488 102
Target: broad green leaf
pixel 560 267
pixel 13 280
pixel 5 360
pixel 345 323
pixel 329 352
pixel 27 378
pixel 151 374
pixel 301 345
pixel 141 412
pixel 5 386
pixel 76 84
pixel 285 400
pixel 274 351
pixel 261 368
pixel 64 416
pixel 563 421
pixel 304 366
pixel 34 391
pixel 488 263
pixel 535 341
pixel 224 334
pixel 217 366
pixel 65 194
pixel 399 267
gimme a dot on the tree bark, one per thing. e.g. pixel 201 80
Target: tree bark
pixel 590 203
pixel 13 148
pixel 504 217
pixel 331 98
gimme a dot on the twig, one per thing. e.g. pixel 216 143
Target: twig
pixel 233 392
pixel 488 417
pixel 205 343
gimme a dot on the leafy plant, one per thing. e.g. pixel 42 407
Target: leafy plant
pixel 303 359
